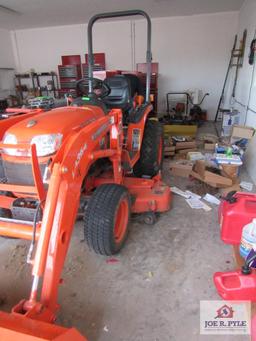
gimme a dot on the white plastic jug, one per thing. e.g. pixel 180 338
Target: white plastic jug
pixel 248 240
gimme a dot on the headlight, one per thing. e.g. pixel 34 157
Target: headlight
pixel 45 145
pixel 10 139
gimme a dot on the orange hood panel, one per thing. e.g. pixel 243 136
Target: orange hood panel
pixel 59 120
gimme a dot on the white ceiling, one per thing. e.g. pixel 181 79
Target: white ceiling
pixel 41 13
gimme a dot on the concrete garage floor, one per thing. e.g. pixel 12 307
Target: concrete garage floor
pixel 154 290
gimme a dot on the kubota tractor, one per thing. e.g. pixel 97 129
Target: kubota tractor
pixel 103 148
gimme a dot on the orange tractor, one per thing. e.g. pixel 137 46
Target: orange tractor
pixel 105 149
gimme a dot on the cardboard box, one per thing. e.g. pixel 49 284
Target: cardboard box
pixel 234 187
pixel 166 154
pixel 181 168
pixel 201 173
pixel 242 132
pixel 180 157
pixel 169 149
pixel 230 171
pixel 185 145
pixel 185 151
pixel 193 156
pixel 209 146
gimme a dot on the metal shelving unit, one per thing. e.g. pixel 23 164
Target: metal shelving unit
pixel 37 87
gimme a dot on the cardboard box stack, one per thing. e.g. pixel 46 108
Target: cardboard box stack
pixel 179 147
pixel 218 170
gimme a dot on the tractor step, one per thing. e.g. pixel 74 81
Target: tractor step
pixel 20 328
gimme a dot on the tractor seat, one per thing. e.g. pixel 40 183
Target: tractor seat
pixel 120 95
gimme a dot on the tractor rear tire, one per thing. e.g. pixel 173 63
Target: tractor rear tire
pixel 151 154
pixel 107 218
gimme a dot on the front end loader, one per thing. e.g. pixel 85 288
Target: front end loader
pixel 106 151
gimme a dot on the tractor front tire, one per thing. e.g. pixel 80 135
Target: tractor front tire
pixel 107 218
pixel 151 153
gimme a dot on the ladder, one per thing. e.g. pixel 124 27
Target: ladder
pixel 236 60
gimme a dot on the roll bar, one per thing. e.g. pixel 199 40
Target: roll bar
pixel 116 15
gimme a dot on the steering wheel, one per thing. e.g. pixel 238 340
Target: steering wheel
pixel 100 88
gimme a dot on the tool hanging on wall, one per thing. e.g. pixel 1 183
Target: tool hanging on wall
pixel 240 57
pixel 252 52
pixel 236 60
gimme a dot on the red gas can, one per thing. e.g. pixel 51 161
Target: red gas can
pixel 236 286
pixel 253 338
pixel 235 214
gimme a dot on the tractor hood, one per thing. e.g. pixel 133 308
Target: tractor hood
pixel 48 129
pixel 56 121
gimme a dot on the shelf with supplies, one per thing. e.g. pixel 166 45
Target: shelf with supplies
pixel 35 84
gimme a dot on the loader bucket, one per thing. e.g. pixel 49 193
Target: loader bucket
pixel 15 327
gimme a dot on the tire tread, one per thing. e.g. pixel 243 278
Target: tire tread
pixel 100 216
pixel 148 163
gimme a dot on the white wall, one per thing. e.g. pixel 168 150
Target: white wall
pixel 6 55
pixel 192 51
pixel 6 61
pixel 41 49
pixel 246 86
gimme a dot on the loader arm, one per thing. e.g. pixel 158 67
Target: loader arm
pixel 53 234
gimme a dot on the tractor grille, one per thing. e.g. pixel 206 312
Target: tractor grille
pixel 19 173
pixel 2 174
